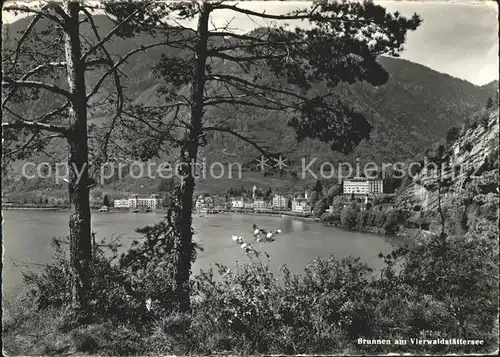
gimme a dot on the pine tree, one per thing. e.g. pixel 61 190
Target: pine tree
pixel 105 201
pixel 318 187
pixel 44 67
pixel 489 103
pixel 278 67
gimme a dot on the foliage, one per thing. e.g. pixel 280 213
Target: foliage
pixel 468 146
pixel 348 216
pixel 320 207
pixel 485 120
pixel 318 187
pixel 268 194
pixel 334 191
pixel 338 203
pixel 391 224
pixel 331 217
pixel 471 275
pixel 384 198
pixel 372 214
pixel 362 219
pixel 105 201
pixel 250 311
pixel 489 103
pixel 380 217
pixel 452 135
pixel 391 184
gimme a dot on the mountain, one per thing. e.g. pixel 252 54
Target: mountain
pixel 414 109
pixel 491 86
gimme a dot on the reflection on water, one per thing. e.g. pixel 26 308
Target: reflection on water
pixel 27 236
pixel 297 225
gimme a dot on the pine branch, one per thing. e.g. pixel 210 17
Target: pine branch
pixel 36 125
pixel 263 15
pixel 124 59
pixel 248 140
pixel 9 83
pixel 110 34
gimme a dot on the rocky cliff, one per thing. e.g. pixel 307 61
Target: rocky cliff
pixel 469 174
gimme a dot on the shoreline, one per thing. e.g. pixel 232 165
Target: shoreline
pixel 403 233
pixel 283 214
pixel 27 208
pixel 370 229
pixel 406 234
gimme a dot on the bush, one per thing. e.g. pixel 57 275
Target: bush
pixel 320 207
pixel 470 276
pixel 331 217
pixel 391 224
pixel 384 198
pixel 334 191
pixel 468 146
pixel 248 311
pixel 372 214
pixel 362 219
pixel 348 216
pixel 380 218
pixel 485 121
pixel 338 203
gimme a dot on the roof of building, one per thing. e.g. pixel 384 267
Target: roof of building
pixel 363 179
pixel 301 199
pixel 144 198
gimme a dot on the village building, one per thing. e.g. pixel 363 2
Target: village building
pixel 259 204
pixel 122 203
pixel 200 203
pixel 301 204
pixel 241 203
pixel 237 202
pixel 280 202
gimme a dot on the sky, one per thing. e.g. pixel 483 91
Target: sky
pixel 457 38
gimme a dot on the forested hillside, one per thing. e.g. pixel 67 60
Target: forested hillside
pixel 416 107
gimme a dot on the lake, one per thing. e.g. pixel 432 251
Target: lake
pixel 27 236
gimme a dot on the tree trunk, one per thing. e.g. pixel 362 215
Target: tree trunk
pixel 184 249
pixel 79 221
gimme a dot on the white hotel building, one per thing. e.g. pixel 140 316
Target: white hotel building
pixel 363 186
pixel 152 202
